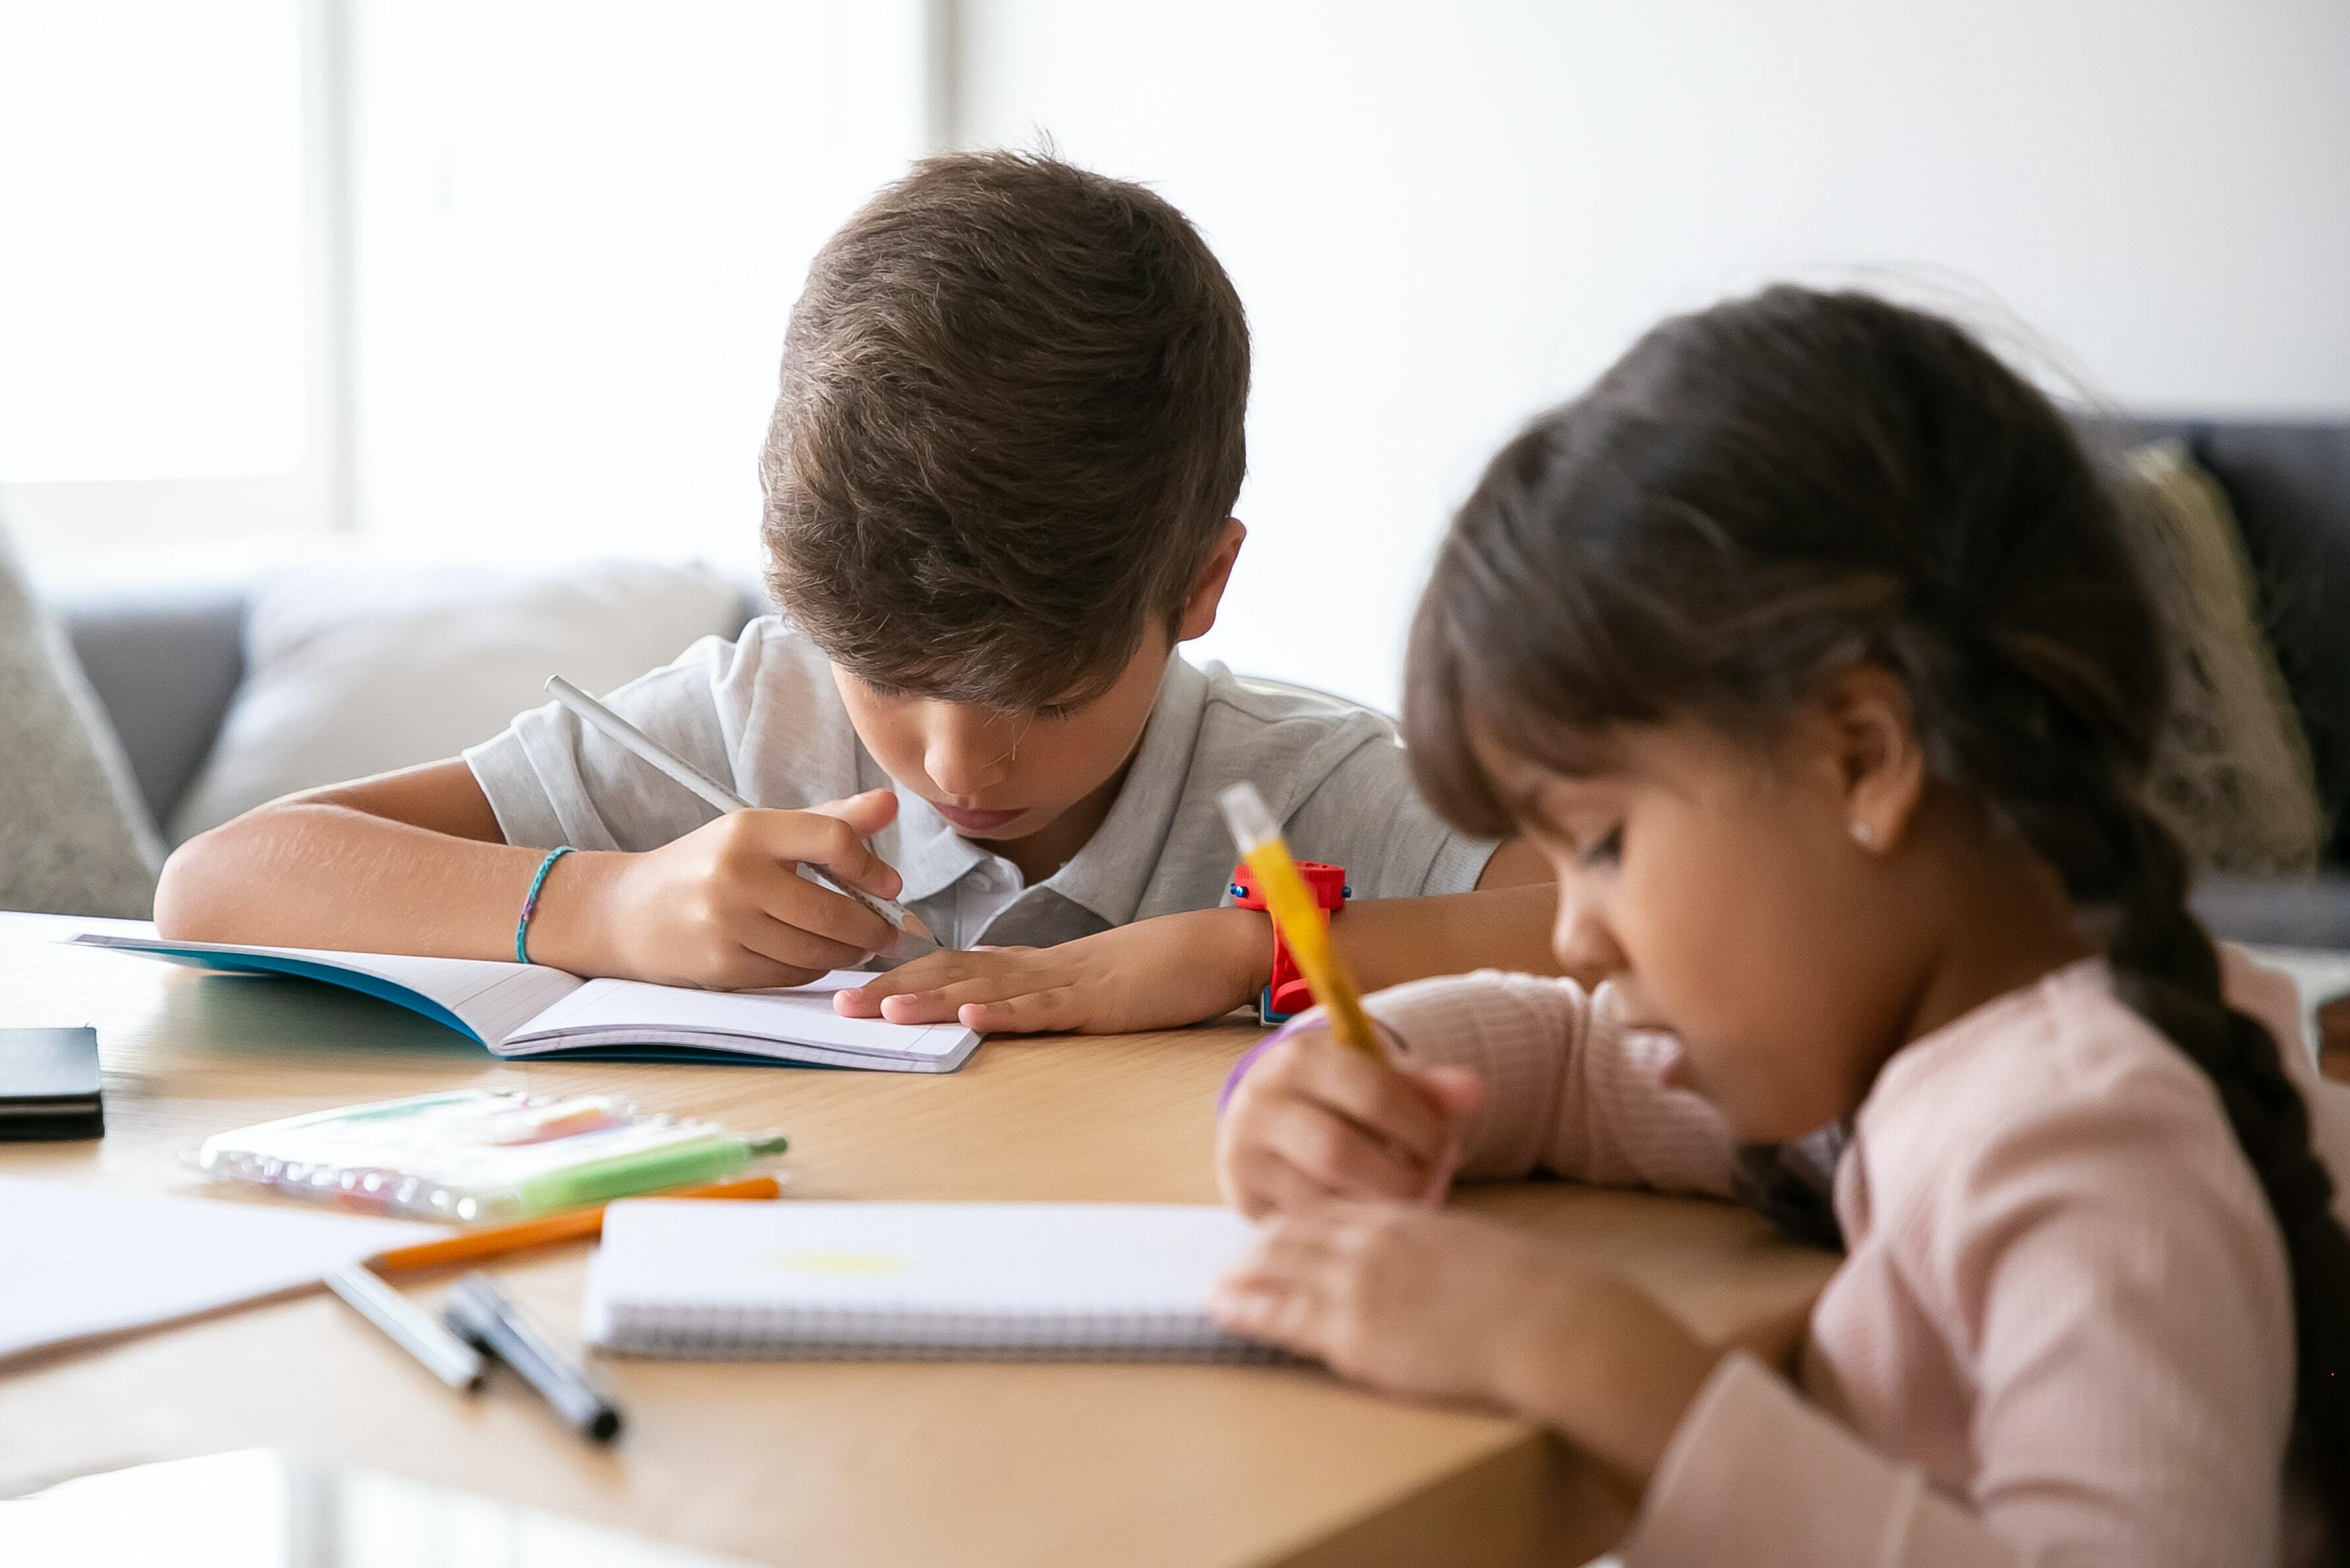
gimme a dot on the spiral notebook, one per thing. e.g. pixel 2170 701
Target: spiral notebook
pixel 1042 1282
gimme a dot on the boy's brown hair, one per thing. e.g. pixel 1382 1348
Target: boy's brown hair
pixel 1009 432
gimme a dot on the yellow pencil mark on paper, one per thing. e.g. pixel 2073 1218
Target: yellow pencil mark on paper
pixel 798 1261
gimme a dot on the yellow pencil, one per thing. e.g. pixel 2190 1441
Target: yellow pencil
pixel 1292 909
pixel 580 1225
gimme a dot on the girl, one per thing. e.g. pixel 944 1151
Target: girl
pixel 1808 648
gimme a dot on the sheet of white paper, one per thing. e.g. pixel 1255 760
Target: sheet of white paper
pixel 84 1265
pixel 1048 1260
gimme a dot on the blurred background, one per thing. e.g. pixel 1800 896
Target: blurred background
pixel 504 281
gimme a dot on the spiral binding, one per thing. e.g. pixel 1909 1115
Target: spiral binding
pixel 882 1331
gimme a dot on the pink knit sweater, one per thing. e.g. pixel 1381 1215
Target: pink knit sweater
pixel 2062 1332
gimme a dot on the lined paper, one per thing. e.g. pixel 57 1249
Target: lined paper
pixel 493 999
pixel 519 1009
pixel 802 1016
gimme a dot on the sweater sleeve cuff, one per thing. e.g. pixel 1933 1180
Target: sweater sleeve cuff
pixel 1250 1057
pixel 1753 1464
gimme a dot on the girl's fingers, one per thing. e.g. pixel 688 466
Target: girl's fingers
pixel 1282 1290
pixel 1337 1153
pixel 1262 1182
pixel 1387 1103
pixel 1279 1314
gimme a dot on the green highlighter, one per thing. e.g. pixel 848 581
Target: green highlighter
pixel 480 1157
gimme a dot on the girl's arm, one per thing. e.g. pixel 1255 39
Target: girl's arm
pixel 1495 1076
pixel 1567 1089
pixel 2111 1285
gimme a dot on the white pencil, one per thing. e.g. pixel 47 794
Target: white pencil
pixel 411 1328
pixel 638 743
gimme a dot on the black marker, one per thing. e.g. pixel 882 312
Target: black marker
pixel 478 1312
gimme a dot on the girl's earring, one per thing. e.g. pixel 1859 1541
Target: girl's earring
pixel 1865 834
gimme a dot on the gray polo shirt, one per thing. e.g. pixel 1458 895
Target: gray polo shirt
pixel 762 713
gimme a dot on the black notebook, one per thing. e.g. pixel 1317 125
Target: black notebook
pixel 48 1084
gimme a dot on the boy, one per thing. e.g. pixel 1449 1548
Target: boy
pixel 999 484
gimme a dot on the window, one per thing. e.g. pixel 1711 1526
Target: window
pixel 467 274
pixel 163 321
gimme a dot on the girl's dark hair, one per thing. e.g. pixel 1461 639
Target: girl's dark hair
pixel 1763 493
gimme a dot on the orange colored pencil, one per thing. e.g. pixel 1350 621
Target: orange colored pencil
pixel 580 1225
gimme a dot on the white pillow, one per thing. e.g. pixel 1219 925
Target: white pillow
pixel 352 670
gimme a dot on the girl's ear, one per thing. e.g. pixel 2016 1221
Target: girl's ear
pixel 1881 767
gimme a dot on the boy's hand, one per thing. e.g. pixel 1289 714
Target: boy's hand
pixel 724 907
pixel 1161 974
pixel 1313 1120
pixel 1446 1306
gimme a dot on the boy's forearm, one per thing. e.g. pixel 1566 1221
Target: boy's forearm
pixel 1391 940
pixel 318 874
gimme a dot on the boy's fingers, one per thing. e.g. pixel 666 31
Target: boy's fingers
pixel 1052 1012
pixel 867 813
pixel 820 837
pixel 755 971
pixel 1389 1103
pixel 795 903
pixel 811 953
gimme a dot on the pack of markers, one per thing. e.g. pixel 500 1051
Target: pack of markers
pixel 478 1156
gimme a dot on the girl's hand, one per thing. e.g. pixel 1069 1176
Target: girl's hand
pixel 1160 974
pixel 1313 1120
pixel 1451 1307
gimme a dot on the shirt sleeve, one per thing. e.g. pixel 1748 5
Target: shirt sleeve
pixel 1567 1089
pixel 552 780
pixel 1755 1464
pixel 1365 815
pixel 2111 1282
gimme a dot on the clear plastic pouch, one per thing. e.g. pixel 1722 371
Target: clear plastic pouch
pixel 477 1156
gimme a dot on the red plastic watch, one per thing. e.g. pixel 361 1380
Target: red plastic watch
pixel 1288 993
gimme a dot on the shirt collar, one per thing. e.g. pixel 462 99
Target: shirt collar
pixel 1111 873
pixel 931 856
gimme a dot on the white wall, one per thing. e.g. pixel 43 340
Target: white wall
pixel 577 247
pixel 1444 215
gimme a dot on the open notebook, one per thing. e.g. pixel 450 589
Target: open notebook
pixel 529 1009
pixel 957 1281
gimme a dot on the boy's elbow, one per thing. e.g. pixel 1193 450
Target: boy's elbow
pixel 180 901
pixel 193 894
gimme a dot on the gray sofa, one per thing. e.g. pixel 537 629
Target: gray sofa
pixel 165 662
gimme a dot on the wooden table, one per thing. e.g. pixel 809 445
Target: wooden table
pixel 816 1463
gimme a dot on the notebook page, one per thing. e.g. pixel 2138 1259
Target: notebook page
pixel 802 1016
pixel 494 1000
pixel 677 1277
pixel 85 1263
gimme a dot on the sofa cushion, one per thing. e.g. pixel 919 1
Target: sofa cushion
pixel 2233 773
pixel 164 659
pixel 2290 486
pixel 74 839
pixel 353 669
